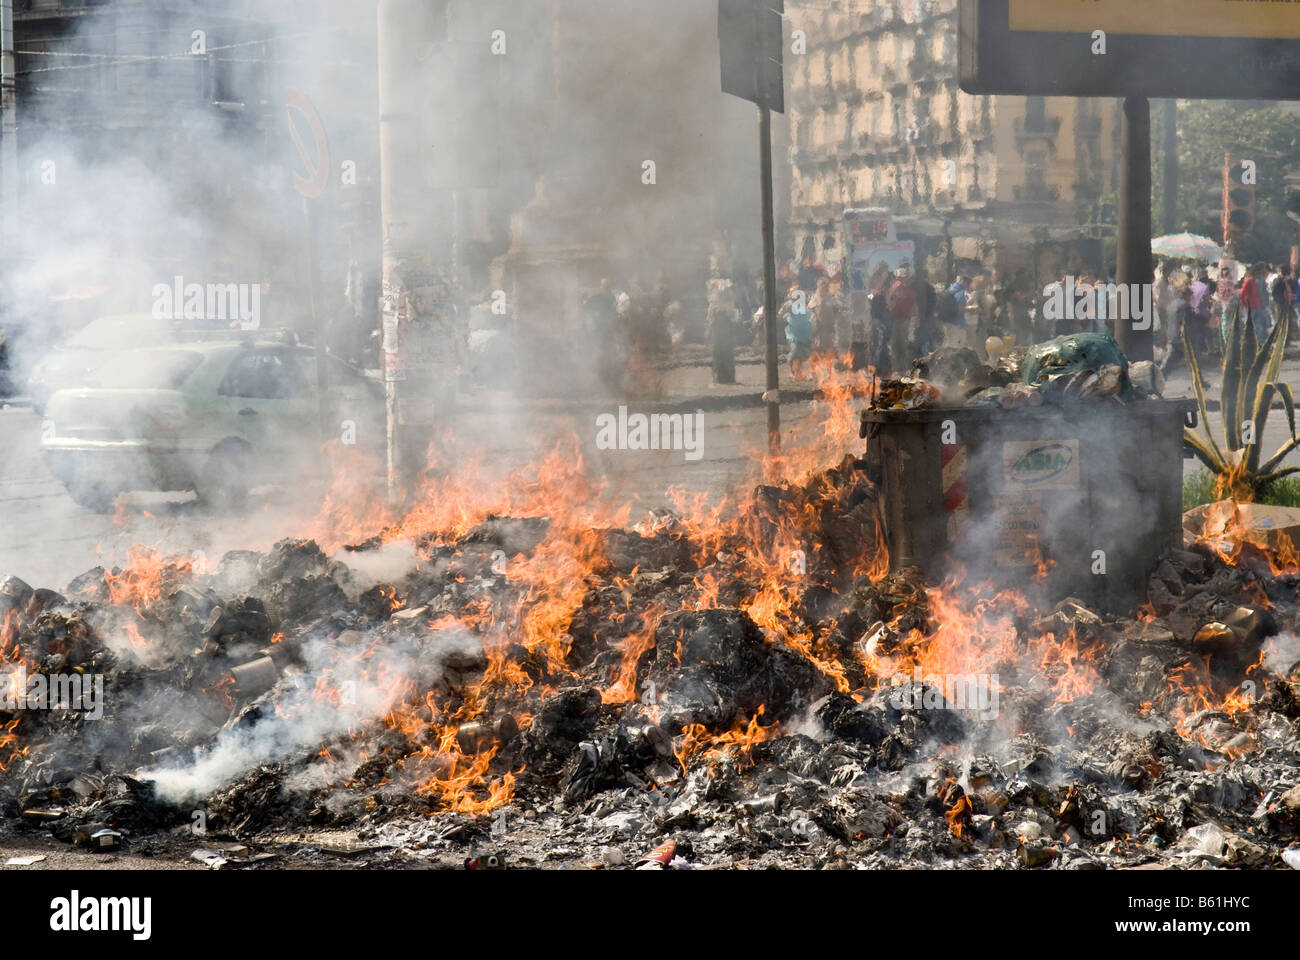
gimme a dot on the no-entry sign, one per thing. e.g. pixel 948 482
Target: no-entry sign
pixel 1214 49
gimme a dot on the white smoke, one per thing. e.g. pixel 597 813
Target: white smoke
pixel 368 686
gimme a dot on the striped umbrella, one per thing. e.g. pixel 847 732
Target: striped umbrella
pixel 1186 246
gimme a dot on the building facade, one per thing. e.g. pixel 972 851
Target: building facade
pixel 878 120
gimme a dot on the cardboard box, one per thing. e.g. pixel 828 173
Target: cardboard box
pixel 1274 528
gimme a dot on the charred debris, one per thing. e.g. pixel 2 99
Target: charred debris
pixel 686 705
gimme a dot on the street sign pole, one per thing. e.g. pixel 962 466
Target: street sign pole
pixel 750 44
pixel 769 279
pixel 1133 257
pixel 316 162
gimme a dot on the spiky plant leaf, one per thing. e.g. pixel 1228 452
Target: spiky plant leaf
pixel 1229 392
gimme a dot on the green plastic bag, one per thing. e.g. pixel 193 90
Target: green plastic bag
pixel 1072 354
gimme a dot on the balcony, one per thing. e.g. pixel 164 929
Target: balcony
pixel 1036 193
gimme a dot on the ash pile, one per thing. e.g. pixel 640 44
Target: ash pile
pixel 680 694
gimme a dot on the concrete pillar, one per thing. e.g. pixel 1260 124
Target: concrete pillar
pixel 418 299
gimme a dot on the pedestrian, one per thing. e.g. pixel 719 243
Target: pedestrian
pixel 1283 296
pixel 721 322
pixel 1251 298
pixel 810 274
pixel 826 310
pixel 1200 321
pixel 953 311
pixel 1226 303
pixel 1162 302
pixel 950 311
pixel 1178 306
pixel 903 304
pixel 879 334
pixel 927 334
pixel 976 325
pixel 1018 298
pixel 798 331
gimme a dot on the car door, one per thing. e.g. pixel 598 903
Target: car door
pixel 356 409
pixel 264 405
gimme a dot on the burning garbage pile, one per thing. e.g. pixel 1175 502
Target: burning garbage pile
pixel 747 685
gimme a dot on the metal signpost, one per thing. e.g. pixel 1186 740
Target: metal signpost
pixel 750 40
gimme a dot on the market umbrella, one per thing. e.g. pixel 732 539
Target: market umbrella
pixel 1186 246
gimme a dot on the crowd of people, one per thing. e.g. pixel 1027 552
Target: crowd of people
pixel 908 314
pixel 631 327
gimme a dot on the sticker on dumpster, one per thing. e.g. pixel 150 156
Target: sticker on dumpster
pixel 956 494
pixel 1041 465
pixel 1019 526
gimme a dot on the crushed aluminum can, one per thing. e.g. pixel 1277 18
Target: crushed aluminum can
pixel 1036 854
pixel 476 736
pixel 759 805
pixel 659 858
pixel 486 861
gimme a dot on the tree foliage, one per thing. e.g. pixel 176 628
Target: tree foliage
pixel 1267 135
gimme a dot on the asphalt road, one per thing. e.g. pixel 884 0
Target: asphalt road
pixel 47 540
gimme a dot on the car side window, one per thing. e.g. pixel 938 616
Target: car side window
pixel 259 375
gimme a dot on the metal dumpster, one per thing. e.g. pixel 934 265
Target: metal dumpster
pixel 1075 500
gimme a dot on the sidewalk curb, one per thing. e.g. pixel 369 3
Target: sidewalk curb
pixel 707 403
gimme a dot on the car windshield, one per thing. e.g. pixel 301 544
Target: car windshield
pixel 108 333
pixel 147 370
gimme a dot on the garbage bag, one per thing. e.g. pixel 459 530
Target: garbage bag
pixel 1074 355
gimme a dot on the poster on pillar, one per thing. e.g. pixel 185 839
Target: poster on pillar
pixel 419 324
pixel 1206 49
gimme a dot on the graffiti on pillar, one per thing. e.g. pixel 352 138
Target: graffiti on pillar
pixel 395 310
pixel 420 323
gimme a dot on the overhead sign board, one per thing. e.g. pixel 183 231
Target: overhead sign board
pixel 1212 49
pixel 750 38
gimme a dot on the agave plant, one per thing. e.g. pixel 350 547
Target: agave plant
pixel 1250 383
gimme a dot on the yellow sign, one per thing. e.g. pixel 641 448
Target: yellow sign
pixel 1252 19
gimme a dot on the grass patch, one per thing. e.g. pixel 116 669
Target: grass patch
pixel 1283 493
pixel 1198 489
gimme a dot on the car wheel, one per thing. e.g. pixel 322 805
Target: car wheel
pixel 225 483
pixel 95 497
